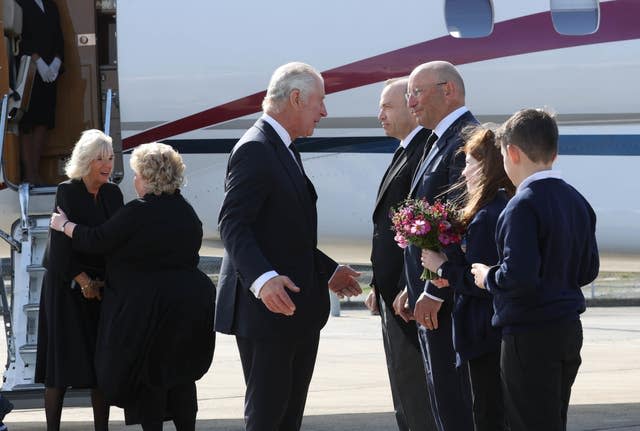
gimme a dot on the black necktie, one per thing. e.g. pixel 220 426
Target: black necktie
pixel 397 153
pixel 427 147
pixel 296 154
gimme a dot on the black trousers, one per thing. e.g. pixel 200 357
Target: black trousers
pixel 277 373
pixel 486 386
pixel 449 388
pixel 406 374
pixel 538 369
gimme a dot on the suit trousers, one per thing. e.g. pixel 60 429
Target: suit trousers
pixel 538 369
pixel 449 388
pixel 406 374
pixel 486 386
pixel 277 372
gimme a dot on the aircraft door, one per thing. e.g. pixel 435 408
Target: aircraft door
pixel 77 105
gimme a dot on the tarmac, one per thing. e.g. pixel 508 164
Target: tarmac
pixel 350 388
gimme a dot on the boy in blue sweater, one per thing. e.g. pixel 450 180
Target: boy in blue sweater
pixel 548 251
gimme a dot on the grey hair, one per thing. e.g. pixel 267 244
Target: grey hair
pixel 287 78
pixel 91 145
pixel 160 166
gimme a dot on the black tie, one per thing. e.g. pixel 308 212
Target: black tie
pixel 397 153
pixel 296 154
pixel 427 147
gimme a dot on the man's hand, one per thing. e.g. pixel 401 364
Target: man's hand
pixel 275 297
pixel 426 311
pixel 344 282
pixel 372 302
pixel 479 272
pixel 401 306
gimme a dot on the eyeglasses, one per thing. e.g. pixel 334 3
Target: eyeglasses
pixel 416 92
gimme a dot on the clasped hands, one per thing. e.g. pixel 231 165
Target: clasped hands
pixel 48 72
pixel 93 289
pixel 426 309
pixel 275 297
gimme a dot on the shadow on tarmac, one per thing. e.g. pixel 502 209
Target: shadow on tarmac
pixel 596 417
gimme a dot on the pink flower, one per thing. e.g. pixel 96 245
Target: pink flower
pixel 401 240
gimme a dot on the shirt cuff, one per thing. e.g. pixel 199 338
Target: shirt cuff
pixel 334 272
pixel 435 298
pixel 257 285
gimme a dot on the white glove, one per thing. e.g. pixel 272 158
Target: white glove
pixel 54 68
pixel 43 69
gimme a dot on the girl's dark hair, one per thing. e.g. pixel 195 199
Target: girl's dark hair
pixel 480 143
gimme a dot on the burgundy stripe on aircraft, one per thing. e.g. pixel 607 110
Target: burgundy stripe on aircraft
pixel 523 35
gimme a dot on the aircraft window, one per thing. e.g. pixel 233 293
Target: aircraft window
pixel 575 17
pixel 469 18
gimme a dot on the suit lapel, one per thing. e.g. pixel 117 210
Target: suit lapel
pixel 393 170
pixel 439 146
pixel 304 189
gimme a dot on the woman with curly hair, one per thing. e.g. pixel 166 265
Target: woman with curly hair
pixel 155 336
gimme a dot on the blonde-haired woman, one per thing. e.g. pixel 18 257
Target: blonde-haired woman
pixel 156 336
pixel 71 288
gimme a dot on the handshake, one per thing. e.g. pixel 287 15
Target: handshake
pixel 48 73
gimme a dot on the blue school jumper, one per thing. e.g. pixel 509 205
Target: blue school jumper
pixel 547 248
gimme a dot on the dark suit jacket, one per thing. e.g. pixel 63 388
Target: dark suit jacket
pixel 386 257
pixel 437 173
pixel 268 222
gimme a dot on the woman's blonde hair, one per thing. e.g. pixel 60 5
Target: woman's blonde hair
pixel 91 145
pixel 160 166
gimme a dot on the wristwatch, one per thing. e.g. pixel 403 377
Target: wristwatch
pixel 440 271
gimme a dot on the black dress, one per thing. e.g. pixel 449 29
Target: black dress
pixel 68 322
pixel 156 327
pixel 42 35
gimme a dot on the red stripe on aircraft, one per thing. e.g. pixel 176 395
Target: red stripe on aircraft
pixel 527 34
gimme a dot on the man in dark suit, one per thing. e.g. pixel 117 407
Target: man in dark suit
pixel 272 291
pixel 436 97
pixel 404 360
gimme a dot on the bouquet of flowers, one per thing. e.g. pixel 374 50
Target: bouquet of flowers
pixel 426 226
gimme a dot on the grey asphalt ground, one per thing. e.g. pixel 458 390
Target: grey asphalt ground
pixel 350 389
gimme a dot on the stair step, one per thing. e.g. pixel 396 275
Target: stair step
pixel 35 268
pixel 28 349
pixel 31 308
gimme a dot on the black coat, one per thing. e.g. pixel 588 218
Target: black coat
pixel 268 222
pixel 156 327
pixel 386 257
pixel 42 35
pixel 68 322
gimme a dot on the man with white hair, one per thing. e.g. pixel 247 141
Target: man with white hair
pixel 273 281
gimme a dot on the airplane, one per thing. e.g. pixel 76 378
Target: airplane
pixel 193 74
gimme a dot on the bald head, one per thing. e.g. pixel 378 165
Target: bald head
pixel 437 90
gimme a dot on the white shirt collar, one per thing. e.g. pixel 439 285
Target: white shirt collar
pixel 405 142
pixel 40 5
pixel 540 175
pixel 447 121
pixel 284 135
